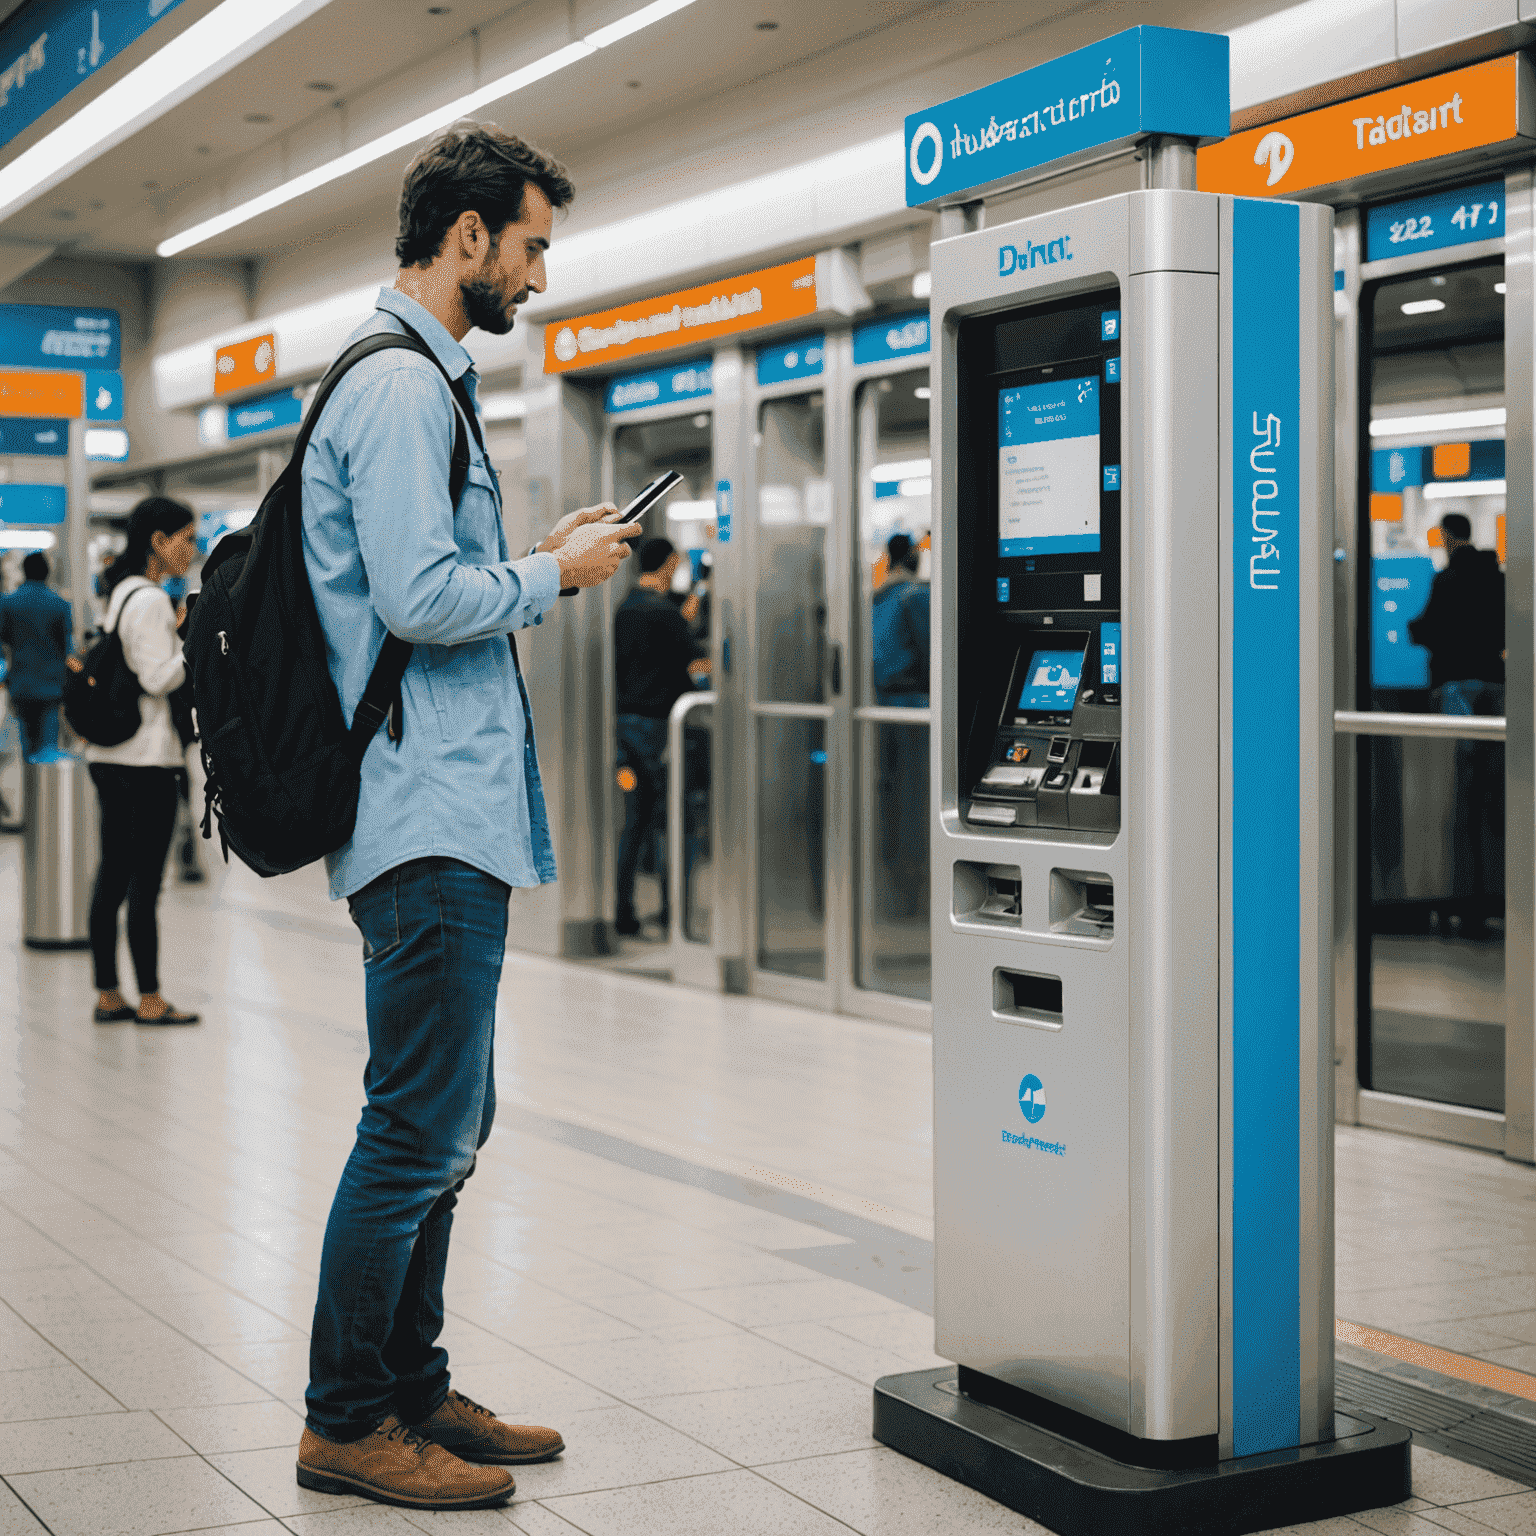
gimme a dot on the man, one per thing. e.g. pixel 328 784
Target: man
pixel 1462 628
pixel 898 622
pixel 450 816
pixel 655 659
pixel 35 627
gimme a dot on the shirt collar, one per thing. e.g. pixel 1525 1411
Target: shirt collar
pixel 450 353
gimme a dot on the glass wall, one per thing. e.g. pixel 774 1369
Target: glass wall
pixel 894 521
pixel 1432 806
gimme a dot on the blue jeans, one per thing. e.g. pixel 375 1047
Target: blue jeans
pixel 434 933
pixel 642 742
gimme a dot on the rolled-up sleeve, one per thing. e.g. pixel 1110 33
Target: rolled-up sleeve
pixel 397 450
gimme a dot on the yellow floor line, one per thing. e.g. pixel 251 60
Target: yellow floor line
pixel 1500 1378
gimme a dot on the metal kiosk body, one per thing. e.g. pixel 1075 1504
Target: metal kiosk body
pixel 1133 1065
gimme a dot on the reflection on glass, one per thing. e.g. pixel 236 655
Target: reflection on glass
pixel 791 847
pixel 895 516
pixel 894 947
pixel 1432 930
pixel 794 508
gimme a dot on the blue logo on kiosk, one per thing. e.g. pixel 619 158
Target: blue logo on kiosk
pixel 1032 1099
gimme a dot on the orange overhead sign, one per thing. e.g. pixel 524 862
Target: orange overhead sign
pixel 1469 108
pixel 24 393
pixel 244 363
pixel 680 319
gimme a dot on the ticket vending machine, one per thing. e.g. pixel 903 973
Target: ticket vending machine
pixel 1133 1067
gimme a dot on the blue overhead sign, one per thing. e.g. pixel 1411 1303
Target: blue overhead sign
pixel 32 503
pixel 799 359
pixel 51 336
pixel 1144 81
pixel 103 395
pixel 659 386
pixel 50 47
pixel 49 438
pixel 1435 222
pixel 282 408
pixel 878 341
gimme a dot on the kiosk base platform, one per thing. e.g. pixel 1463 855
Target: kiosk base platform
pixel 1076 1490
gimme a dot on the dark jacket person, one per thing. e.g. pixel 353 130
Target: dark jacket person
pixel 35 629
pixel 1462 626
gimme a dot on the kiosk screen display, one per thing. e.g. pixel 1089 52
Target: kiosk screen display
pixel 1050 682
pixel 1048 469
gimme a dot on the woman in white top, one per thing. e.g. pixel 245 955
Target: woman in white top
pixel 139 782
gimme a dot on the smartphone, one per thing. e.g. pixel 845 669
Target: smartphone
pixel 637 509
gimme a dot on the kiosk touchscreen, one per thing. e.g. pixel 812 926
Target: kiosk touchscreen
pixel 1045 407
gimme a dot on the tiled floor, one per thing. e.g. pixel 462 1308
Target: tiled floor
pixel 618 1269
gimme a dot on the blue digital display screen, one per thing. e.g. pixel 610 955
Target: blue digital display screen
pixel 1051 681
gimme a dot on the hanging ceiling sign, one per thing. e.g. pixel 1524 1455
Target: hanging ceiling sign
pixel 51 336
pixel 33 503
pixel 1478 108
pixel 1148 80
pixel 244 363
pixel 282 408
pixel 27 393
pixel 892 336
pixel 722 308
pixel 50 47
pixel 48 437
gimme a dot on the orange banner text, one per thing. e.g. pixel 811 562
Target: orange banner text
pixel 679 319
pixel 24 393
pixel 1423 120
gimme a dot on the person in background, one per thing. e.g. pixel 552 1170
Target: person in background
pixel 898 624
pixel 139 782
pixel 655 662
pixel 1462 628
pixel 37 631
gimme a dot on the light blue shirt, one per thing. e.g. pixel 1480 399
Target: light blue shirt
pixel 386 552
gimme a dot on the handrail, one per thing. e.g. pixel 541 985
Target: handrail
pixel 1352 722
pixel 675 766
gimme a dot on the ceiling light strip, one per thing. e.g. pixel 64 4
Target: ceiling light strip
pixel 419 128
pixel 209 48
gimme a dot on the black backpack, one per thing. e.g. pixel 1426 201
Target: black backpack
pixel 101 700
pixel 283 766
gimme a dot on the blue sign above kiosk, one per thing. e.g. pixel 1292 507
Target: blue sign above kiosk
pixel 1148 80
pixel 52 336
pixel 659 386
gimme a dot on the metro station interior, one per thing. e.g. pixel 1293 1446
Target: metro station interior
pixel 734 1211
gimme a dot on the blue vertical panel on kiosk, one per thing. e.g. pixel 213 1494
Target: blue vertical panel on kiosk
pixel 1266 827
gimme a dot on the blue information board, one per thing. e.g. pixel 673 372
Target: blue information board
pixel 659 386
pixel 282 408
pixel 879 341
pixel 32 503
pixel 802 358
pixel 103 395
pixel 1436 221
pixel 1143 81
pixel 51 46
pixel 51 336
pixel 1399 590
pixel 37 435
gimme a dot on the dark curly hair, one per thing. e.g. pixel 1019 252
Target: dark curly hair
pixel 472 166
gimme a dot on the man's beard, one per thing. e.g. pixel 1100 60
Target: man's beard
pixel 487 306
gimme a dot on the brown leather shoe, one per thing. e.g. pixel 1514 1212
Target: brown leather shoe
pixel 397 1465
pixel 475 1434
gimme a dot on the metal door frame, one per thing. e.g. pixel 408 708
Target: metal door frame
pixel 1512 1132
pixel 837 351
pixel 674 954
pixel 867 1002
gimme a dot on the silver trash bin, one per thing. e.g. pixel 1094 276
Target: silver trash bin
pixel 61 847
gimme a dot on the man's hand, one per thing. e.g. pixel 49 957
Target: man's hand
pixel 591 553
pixel 571 522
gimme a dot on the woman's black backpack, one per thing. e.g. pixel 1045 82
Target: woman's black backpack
pixel 283 766
pixel 101 700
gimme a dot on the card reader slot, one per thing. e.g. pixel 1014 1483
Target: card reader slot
pixel 1026 997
